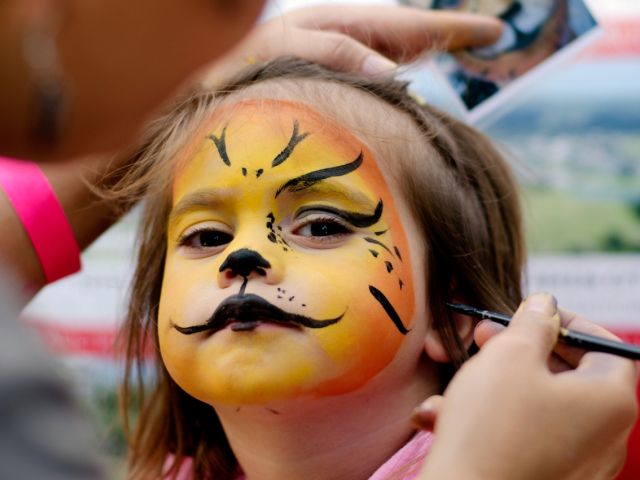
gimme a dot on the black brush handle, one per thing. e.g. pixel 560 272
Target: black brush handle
pixel 599 344
pixel 570 337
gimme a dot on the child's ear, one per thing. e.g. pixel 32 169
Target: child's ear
pixel 433 344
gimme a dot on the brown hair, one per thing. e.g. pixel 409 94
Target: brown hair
pixel 459 189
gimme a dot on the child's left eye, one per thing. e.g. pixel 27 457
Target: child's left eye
pixel 321 228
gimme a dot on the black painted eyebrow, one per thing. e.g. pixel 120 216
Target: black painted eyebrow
pixel 360 220
pixel 308 179
pixel 293 141
pixel 221 145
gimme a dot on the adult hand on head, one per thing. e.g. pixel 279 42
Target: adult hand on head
pixel 366 39
pixel 507 415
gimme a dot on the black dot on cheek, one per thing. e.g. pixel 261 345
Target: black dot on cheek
pixel 259 172
pixel 304 304
pixel 389 266
pixel 291 298
pixel 244 172
pixel 272 237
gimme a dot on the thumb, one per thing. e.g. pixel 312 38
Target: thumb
pixel 537 322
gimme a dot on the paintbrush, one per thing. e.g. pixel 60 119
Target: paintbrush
pixel 570 337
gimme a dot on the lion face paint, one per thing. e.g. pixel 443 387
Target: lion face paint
pixel 287 271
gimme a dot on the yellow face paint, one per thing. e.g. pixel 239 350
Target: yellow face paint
pixel 283 224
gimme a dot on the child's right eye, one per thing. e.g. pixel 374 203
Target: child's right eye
pixel 205 239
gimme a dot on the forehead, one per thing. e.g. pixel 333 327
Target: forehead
pixel 339 113
pixel 278 140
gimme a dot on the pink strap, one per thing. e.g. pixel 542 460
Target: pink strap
pixel 42 217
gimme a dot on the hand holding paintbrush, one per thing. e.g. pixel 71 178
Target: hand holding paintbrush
pixel 578 420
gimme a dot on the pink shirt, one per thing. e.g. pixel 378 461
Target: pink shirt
pixel 403 465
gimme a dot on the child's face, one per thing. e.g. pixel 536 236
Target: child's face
pixel 286 243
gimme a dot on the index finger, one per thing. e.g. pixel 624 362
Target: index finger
pixel 402 33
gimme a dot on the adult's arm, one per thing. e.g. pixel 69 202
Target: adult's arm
pixel 508 415
pixel 124 65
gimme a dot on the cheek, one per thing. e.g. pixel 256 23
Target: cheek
pixel 188 297
pixel 366 339
pixel 189 291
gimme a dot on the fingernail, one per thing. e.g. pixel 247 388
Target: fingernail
pixel 424 416
pixel 493 326
pixel 487 32
pixel 427 406
pixel 544 303
pixel 377 65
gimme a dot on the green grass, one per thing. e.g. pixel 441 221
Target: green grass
pixel 561 222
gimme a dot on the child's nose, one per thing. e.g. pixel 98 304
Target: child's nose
pixel 246 263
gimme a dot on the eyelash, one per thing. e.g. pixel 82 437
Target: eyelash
pixel 190 235
pixel 319 218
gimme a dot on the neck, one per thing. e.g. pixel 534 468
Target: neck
pixel 346 436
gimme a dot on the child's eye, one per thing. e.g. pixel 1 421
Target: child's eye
pixel 205 238
pixel 321 228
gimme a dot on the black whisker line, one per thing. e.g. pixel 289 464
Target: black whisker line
pixel 388 308
pixel 221 145
pixel 308 179
pixel 293 141
pixel 377 242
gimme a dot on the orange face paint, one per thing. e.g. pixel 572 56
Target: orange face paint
pixel 284 225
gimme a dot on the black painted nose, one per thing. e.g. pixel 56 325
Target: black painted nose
pixel 244 261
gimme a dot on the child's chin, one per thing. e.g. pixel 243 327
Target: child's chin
pixel 262 386
pixel 256 382
pixel 259 392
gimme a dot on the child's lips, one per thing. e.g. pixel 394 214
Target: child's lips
pixel 246 312
pixel 249 325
